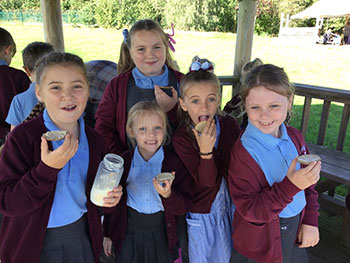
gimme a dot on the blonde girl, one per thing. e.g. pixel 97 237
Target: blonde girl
pixel 143 225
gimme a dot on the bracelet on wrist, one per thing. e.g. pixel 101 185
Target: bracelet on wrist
pixel 204 154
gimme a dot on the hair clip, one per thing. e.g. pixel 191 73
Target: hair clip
pixel 126 36
pixel 196 66
pixel 171 39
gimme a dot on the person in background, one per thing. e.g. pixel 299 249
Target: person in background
pixel 12 81
pixel 100 73
pixel 143 224
pixel 347 33
pixel 23 103
pixel 275 198
pixel 206 155
pixel 45 185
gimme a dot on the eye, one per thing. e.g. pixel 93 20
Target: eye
pixel 274 106
pixel 54 88
pixel 158 128
pixel 141 49
pixel 78 87
pixel 254 107
pixel 195 101
pixel 212 99
pixel 158 47
pixel 142 129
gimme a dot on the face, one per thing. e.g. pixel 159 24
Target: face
pixel 149 132
pixel 148 52
pixel 8 54
pixel 267 110
pixel 201 101
pixel 65 92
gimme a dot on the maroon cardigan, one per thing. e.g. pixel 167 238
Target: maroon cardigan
pixel 177 204
pixel 111 114
pixel 27 189
pixel 12 82
pixel 256 222
pixel 207 173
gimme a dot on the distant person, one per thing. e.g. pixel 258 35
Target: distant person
pixel 12 81
pixel 23 103
pixel 347 33
pixel 327 36
pixel 99 72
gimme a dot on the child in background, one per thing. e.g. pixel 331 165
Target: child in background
pixel 142 226
pixel 145 64
pixel 276 203
pixel 206 156
pixel 45 186
pixel 23 103
pixel 12 81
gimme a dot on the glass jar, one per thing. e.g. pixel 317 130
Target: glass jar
pixel 108 176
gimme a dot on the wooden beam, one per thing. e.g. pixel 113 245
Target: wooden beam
pixel 245 32
pixel 52 22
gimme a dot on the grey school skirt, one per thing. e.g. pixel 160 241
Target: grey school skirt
pixel 145 239
pixel 68 244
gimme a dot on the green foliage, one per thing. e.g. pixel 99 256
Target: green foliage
pixel 10 5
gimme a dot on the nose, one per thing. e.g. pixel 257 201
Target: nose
pixel 265 113
pixel 151 132
pixel 67 93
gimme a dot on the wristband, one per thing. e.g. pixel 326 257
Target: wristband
pixel 200 153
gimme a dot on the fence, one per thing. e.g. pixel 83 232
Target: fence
pixel 36 17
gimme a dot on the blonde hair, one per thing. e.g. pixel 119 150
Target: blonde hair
pixel 125 62
pixel 142 109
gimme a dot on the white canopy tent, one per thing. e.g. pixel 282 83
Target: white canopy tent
pixel 325 8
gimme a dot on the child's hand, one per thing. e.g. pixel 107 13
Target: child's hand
pixel 165 188
pixel 304 177
pixel 164 101
pixel 113 197
pixel 59 157
pixel 206 140
pixel 107 246
pixel 308 236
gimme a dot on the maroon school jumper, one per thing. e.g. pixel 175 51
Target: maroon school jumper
pixel 12 82
pixel 27 190
pixel 177 204
pixel 111 114
pixel 256 222
pixel 207 173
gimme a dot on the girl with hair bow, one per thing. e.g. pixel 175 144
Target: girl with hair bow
pixel 206 154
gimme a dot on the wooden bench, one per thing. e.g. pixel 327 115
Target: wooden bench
pixel 335 163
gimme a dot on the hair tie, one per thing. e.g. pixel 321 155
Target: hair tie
pixel 197 66
pixel 171 39
pixel 126 36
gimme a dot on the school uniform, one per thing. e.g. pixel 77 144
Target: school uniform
pixel 268 204
pixel 209 223
pixel 120 95
pixel 12 82
pixel 22 105
pixel 143 224
pixel 31 202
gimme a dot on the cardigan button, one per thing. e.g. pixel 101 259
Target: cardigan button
pixel 275 218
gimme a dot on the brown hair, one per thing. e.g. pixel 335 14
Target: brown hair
pixel 270 77
pixel 142 109
pixel 34 51
pixel 125 62
pixel 194 77
pixel 7 40
pixel 58 58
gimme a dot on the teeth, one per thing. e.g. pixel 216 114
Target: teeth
pixel 70 107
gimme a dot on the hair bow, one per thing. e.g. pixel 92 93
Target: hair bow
pixel 196 66
pixel 171 39
pixel 125 35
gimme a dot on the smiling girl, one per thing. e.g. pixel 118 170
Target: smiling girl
pixel 206 156
pixel 45 185
pixel 276 202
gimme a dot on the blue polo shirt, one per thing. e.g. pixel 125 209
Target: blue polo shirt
pixel 3 63
pixel 70 195
pixel 274 156
pixel 142 196
pixel 21 106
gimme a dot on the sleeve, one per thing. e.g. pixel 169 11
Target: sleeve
pixel 180 201
pixel 24 185
pixel 203 171
pixel 106 119
pixel 256 201
pixel 12 116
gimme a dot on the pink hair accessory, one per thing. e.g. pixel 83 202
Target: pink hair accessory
pixel 171 39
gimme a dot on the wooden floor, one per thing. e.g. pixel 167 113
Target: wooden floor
pixel 327 251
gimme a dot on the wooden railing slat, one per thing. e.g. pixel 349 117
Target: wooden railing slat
pixel 343 127
pixel 306 115
pixel 323 122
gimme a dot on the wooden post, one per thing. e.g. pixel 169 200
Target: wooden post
pixel 245 32
pixel 52 21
